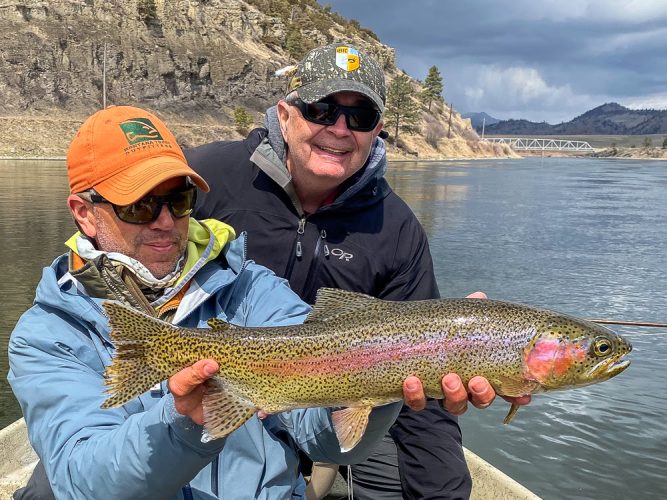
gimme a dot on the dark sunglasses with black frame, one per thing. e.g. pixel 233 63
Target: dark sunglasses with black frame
pixel 148 208
pixel 325 112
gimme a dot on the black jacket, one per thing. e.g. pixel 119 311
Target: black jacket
pixel 368 240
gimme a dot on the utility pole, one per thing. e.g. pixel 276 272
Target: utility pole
pixel 483 124
pixel 449 132
pixel 104 77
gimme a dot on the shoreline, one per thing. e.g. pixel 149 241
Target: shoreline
pixel 395 160
pixel 34 158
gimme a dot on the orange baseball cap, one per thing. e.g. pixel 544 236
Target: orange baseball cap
pixel 123 152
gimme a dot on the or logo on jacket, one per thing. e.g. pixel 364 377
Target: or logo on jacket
pixel 342 254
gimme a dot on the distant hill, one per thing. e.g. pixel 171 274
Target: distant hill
pixel 608 119
pixel 477 119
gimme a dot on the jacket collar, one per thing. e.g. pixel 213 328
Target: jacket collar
pixel 59 290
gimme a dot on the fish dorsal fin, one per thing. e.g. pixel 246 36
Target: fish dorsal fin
pixel 350 425
pixel 332 302
pixel 225 409
pixel 218 324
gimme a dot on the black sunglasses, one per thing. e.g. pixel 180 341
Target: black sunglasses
pixel 148 208
pixel 359 118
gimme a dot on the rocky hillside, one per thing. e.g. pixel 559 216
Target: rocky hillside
pixel 193 62
pixel 608 119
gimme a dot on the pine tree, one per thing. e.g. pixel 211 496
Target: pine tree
pixel 402 112
pixel 294 43
pixel 432 87
pixel 243 120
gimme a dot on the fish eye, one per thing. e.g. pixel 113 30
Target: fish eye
pixel 601 346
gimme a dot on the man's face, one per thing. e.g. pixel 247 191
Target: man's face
pixel 325 154
pixel 157 245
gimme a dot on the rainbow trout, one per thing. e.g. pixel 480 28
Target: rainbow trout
pixel 355 351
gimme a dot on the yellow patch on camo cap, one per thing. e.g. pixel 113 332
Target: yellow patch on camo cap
pixel 347 58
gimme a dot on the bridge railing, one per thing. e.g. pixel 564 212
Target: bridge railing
pixel 541 144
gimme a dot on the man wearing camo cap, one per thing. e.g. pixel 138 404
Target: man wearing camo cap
pixel 310 190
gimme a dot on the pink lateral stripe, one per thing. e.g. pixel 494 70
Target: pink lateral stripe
pixel 364 357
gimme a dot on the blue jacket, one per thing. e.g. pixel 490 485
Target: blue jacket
pixel 145 449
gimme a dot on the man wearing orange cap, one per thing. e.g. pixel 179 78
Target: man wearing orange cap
pixel 132 193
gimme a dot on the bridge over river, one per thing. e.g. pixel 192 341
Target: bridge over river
pixel 538 144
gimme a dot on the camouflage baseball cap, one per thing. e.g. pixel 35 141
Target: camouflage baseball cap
pixel 335 68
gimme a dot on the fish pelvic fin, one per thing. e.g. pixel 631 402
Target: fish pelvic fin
pixel 510 415
pixel 350 425
pixel 225 409
pixel 332 302
pixel 132 371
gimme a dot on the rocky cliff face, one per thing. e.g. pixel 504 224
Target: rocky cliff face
pixel 186 56
pixel 191 61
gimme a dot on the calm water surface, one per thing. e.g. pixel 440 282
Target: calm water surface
pixel 586 237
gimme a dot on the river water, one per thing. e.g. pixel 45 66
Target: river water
pixel 586 237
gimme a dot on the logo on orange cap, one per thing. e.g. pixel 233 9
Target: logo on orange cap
pixel 140 130
pixel 123 152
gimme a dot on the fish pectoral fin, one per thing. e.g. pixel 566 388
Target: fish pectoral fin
pixel 510 415
pixel 225 409
pixel 506 386
pixel 350 425
pixel 332 302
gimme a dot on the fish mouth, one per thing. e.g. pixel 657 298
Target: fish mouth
pixel 608 368
pixel 618 366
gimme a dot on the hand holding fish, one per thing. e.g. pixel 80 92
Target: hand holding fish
pixel 480 393
pixel 187 387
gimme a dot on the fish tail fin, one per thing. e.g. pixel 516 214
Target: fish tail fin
pixel 133 369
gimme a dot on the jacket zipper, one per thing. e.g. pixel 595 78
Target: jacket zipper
pixel 299 234
pixel 214 476
pixel 297 252
pixel 187 492
pixel 321 249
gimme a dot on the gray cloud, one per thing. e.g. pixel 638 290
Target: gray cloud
pixel 545 60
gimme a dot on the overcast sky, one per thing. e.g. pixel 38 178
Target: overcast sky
pixel 543 60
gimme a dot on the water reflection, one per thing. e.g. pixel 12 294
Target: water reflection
pixel 581 236
pixel 437 184
pixel 34 223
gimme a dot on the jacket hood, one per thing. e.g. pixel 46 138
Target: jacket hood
pixel 366 187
